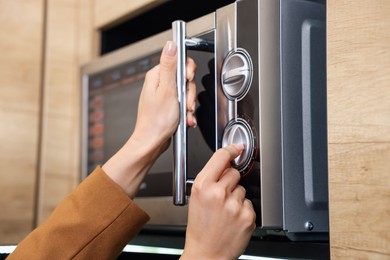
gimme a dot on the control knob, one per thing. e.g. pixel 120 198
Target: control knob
pixel 239 132
pixel 237 74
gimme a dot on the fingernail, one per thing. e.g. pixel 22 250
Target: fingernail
pixel 193 108
pixel 170 48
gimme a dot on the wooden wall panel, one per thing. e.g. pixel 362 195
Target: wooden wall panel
pixel 359 128
pixel 71 39
pixel 21 24
pixel 68 46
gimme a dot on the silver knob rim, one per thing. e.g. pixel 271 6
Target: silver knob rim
pixel 237 74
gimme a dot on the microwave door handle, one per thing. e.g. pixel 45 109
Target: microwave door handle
pixel 180 136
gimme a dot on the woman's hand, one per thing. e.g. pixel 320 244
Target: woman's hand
pixel 157 120
pixel 221 220
pixel 158 113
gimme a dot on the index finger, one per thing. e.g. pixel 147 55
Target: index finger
pixel 220 161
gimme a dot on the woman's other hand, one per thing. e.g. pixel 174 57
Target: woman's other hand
pixel 221 220
pixel 158 108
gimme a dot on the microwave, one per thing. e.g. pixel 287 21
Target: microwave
pixel 261 81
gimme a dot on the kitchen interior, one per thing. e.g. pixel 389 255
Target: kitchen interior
pixel 46 49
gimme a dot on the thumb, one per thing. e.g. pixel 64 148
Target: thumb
pixel 168 63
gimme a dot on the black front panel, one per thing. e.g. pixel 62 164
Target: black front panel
pixel 304 116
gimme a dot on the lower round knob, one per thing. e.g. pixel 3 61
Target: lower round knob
pixel 239 132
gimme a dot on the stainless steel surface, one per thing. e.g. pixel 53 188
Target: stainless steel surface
pixel 269 95
pixel 180 136
pixel 225 42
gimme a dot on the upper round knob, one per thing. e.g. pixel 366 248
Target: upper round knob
pixel 237 74
pixel 239 133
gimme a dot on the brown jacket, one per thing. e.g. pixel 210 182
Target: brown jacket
pixel 94 222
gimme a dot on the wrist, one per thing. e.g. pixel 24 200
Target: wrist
pixel 149 146
pixel 140 151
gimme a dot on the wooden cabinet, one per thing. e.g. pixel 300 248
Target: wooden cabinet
pixel 358 56
pixel 72 37
pixel 68 44
pixel 43 49
pixel 42 46
pixel 21 38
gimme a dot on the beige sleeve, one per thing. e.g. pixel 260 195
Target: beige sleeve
pixel 94 222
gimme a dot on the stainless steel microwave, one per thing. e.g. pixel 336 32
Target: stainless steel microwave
pixel 261 81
